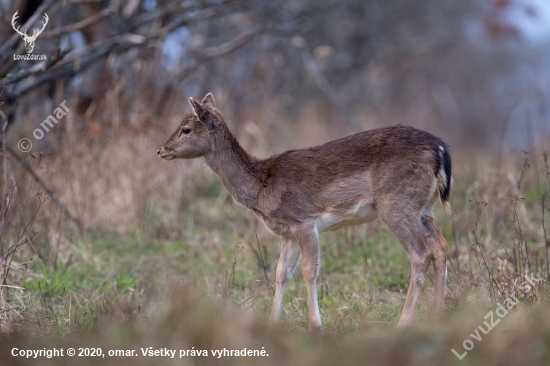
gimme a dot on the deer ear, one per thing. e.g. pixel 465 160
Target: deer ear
pixel 203 113
pixel 209 101
pixel 195 105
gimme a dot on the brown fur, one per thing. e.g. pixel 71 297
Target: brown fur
pixel 395 173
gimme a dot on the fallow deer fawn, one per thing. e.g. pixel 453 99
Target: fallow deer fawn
pixel 395 173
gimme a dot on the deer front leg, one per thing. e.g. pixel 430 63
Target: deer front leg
pixel 288 259
pixel 308 240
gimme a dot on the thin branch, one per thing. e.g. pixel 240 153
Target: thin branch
pixel 75 61
pixel 85 2
pixel 81 24
pixel 546 241
pixel 44 186
pixel 233 44
pixel 264 267
pixel 8 260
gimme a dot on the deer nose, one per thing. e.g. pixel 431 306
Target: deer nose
pixel 158 152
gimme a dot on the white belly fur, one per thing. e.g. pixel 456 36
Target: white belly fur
pixel 361 213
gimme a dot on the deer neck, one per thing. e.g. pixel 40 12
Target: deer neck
pixel 237 170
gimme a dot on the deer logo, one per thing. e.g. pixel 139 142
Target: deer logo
pixel 29 40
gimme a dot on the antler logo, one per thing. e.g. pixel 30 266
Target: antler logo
pixel 29 40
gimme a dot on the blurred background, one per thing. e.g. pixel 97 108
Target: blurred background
pixel 301 72
pixel 286 75
pixel 90 217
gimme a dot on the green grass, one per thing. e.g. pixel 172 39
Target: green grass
pixel 361 266
pixel 189 275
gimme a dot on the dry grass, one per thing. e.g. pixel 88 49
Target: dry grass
pixel 166 259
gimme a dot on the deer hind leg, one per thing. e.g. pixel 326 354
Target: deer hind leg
pixel 288 259
pixel 407 231
pixel 438 245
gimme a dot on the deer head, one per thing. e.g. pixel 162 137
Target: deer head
pixel 192 138
pixel 29 40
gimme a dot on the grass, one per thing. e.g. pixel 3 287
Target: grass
pixel 166 259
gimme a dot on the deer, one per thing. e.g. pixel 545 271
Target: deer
pixel 29 40
pixel 395 173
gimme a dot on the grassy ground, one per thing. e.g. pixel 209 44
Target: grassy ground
pixel 167 260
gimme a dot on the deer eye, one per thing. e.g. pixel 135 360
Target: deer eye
pixel 185 131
